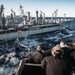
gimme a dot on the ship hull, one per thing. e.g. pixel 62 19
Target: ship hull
pixel 8 35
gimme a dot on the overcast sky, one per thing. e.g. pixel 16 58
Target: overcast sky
pixel 47 6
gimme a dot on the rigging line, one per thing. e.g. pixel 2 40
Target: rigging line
pixel 23 45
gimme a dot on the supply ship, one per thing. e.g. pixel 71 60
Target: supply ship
pixel 23 25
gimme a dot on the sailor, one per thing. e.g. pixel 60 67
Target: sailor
pixel 55 64
pixel 66 55
pixel 65 49
pixel 70 46
pixel 37 56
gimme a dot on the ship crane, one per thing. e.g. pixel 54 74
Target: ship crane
pixel 13 12
pixel 22 11
pixel 28 17
pixel 14 17
pixel 43 16
pixel 54 15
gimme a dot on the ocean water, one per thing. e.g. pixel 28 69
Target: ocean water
pixel 8 60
